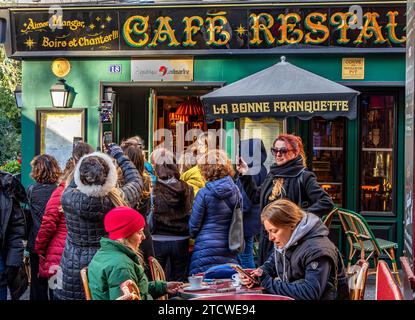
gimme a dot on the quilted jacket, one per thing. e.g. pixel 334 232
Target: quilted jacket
pixel 51 238
pixel 85 224
pixel 210 222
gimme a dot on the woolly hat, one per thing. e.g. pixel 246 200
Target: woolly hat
pixel 122 222
pixel 91 177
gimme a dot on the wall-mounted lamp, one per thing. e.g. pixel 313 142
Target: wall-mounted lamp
pixel 109 94
pixel 18 96
pixel 62 94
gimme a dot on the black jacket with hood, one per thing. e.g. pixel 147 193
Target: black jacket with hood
pixel 12 231
pixel 173 201
pixel 308 266
pixel 300 186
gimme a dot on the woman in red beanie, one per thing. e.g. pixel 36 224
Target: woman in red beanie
pixel 119 259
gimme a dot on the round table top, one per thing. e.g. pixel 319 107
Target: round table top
pixel 244 296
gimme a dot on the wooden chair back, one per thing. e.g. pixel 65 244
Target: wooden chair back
pixel 386 287
pixel 357 281
pixel 357 230
pixel 84 277
pixel 157 273
pixel 327 219
pixel 130 291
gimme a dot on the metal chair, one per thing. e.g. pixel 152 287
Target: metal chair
pixel 157 273
pixel 130 291
pixel 84 277
pixel 361 238
pixel 357 280
pixel 386 288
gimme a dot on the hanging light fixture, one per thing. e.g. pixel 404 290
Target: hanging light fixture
pixel 191 107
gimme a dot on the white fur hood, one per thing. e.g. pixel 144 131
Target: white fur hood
pixel 97 190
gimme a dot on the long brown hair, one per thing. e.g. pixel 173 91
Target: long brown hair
pixel 282 213
pixel 296 144
pixel 136 155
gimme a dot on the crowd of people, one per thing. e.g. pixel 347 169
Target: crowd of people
pixel 111 211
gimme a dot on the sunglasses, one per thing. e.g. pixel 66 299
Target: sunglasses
pixel 275 151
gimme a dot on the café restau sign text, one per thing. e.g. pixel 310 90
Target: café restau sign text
pixel 199 28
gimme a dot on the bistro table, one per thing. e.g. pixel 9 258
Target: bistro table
pixel 218 288
pixel 244 296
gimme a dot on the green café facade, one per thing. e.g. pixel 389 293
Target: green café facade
pixel 133 67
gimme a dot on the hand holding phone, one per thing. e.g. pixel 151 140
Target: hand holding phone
pixel 242 166
pixel 245 274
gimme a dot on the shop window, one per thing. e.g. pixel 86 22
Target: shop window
pixel 266 129
pixel 328 156
pixel 377 136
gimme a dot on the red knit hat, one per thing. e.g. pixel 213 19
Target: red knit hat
pixel 122 222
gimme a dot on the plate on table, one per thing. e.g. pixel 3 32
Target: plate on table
pixel 196 289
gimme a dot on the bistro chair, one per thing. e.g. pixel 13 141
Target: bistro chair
pixel 84 277
pixel 130 291
pixel 328 218
pixel 357 280
pixel 409 277
pixel 361 238
pixel 157 273
pixel 386 287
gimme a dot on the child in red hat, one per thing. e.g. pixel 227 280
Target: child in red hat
pixel 119 259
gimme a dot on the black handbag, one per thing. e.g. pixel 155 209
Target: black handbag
pixel 236 236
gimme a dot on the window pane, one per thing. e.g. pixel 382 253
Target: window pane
pixel 377 136
pixel 266 129
pixel 328 156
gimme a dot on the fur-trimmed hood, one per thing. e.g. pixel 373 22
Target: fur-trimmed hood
pixel 97 190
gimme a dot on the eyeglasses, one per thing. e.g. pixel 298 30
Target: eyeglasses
pixel 275 151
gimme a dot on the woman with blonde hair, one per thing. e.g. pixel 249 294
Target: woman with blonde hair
pixel 288 178
pixel 212 213
pixel 86 201
pixel 304 263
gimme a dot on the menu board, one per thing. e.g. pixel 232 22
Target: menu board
pixel 57 131
pixel 266 129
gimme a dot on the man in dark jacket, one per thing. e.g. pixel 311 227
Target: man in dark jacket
pixel 252 149
pixel 12 230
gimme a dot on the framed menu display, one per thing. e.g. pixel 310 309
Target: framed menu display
pixel 56 130
pixel 266 129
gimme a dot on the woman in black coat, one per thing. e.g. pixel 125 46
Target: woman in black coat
pixel 288 178
pixel 46 172
pixel 12 231
pixel 85 202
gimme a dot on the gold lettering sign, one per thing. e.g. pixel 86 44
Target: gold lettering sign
pixel 353 68
pixel 282 107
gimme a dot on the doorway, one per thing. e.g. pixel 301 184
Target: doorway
pixel 144 108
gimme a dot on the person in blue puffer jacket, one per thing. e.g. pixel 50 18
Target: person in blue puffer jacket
pixel 212 212
pixel 252 149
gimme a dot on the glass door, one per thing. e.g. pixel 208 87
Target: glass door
pixel 327 156
pixel 377 136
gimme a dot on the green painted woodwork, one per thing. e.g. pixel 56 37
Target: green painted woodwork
pixel 88 73
pixel 85 77
pixel 377 67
